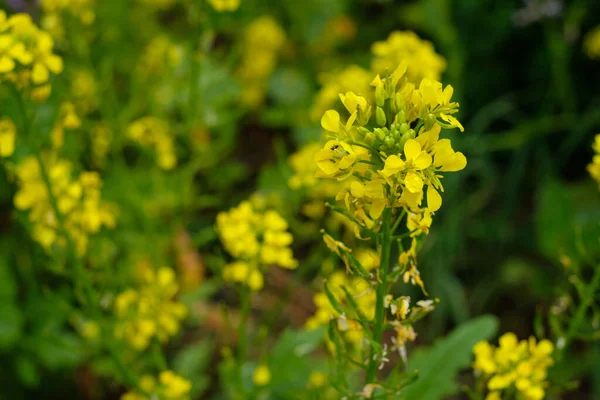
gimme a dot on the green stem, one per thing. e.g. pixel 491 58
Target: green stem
pixel 245 297
pixel 586 302
pixel 386 242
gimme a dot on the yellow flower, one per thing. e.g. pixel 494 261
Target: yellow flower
pixel 594 167
pixel 224 5
pixel 150 310
pixel 256 239
pixel 352 78
pixel 420 56
pixel 79 203
pixel 261 375
pixel 521 365
pixel 263 40
pixel 8 131
pixel 169 386
pixel 591 43
pixel 155 132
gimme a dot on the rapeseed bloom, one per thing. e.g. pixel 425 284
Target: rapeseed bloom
pixel 594 167
pixel 168 386
pixel 78 201
pixel 155 133
pixel 149 311
pixel 257 239
pixel 514 365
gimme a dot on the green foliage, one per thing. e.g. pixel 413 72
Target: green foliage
pixel 439 365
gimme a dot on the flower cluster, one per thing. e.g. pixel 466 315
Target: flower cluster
pixel 521 365
pixel 8 133
pixel 263 40
pixel 169 386
pixel 420 56
pixel 397 162
pixel 257 239
pixel 225 5
pixel 154 132
pixel 341 286
pixel 591 43
pixel 54 13
pixel 78 202
pixel 149 311
pixel 26 55
pixel 594 167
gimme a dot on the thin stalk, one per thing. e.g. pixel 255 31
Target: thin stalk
pixel 586 302
pixel 386 245
pixel 245 297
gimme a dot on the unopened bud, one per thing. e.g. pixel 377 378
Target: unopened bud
pixel 430 120
pixel 404 128
pixel 380 134
pixel 380 95
pixel 400 106
pixel 370 138
pixel 380 116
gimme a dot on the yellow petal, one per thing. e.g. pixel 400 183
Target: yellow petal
pixel 423 161
pixel 377 208
pixel 412 149
pixel 54 63
pixel 393 164
pixel 357 189
pixel 6 64
pixel 374 189
pixel 331 121
pixel 351 120
pixel 434 200
pixel 413 182
pixel 39 74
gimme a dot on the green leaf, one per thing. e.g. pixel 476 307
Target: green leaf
pixel 191 362
pixel 11 321
pixel 439 364
pixel 289 362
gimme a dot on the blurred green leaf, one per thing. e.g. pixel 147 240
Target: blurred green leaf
pixel 191 362
pixel 439 364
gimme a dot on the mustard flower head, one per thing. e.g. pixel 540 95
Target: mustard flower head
pixel 8 132
pixel 397 158
pixel 168 386
pixel 78 201
pixel 155 133
pixel 421 59
pixel 257 239
pixel 67 120
pixel 591 43
pixel 225 5
pixel 262 42
pixel 149 311
pixel 514 365
pixel 594 167
pixel 160 55
pixel 26 55
pixel 340 286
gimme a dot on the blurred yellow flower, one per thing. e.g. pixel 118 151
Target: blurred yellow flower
pixel 519 365
pixel 261 375
pixel 155 132
pixel 225 5
pixel 168 387
pixel 594 167
pixel 591 43
pixel 420 56
pixel 8 132
pixel 149 311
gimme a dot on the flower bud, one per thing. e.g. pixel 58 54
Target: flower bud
pixel 370 138
pixel 400 104
pixel 380 134
pixel 404 128
pixel 430 120
pixel 401 116
pixel 389 142
pixel 380 95
pixel 380 116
